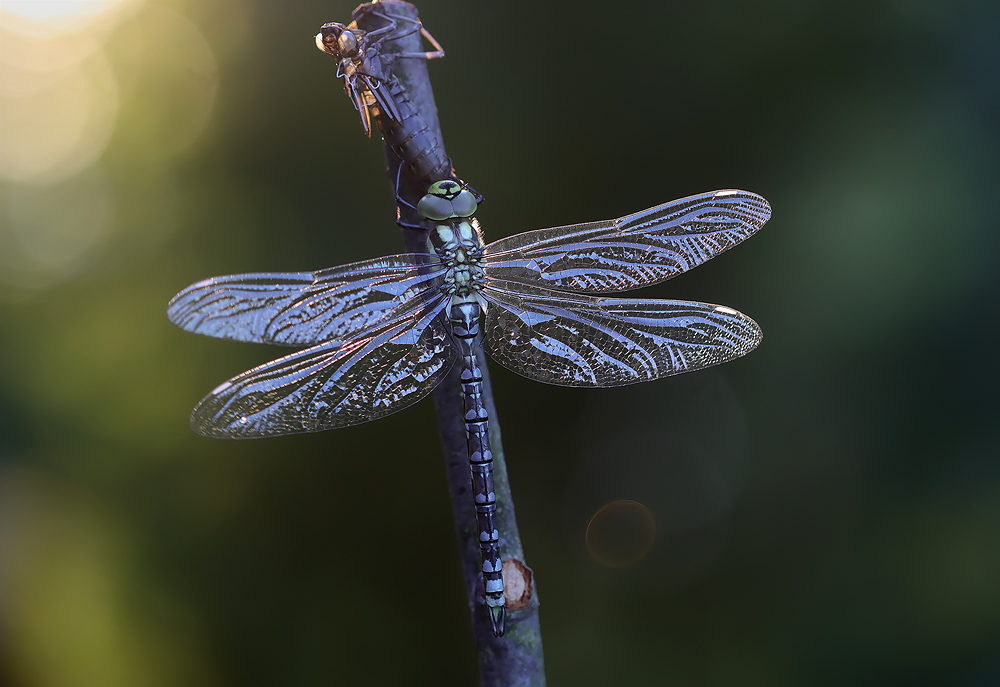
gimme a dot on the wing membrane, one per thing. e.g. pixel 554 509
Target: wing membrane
pixel 306 308
pixel 578 340
pixel 329 386
pixel 387 104
pixel 633 251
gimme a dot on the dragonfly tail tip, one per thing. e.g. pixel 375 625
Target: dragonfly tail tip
pixel 497 616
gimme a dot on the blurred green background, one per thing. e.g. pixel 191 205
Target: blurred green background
pixel 828 508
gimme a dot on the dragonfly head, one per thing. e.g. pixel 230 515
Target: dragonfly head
pixel 338 40
pixel 446 199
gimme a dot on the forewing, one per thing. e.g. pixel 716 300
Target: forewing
pixel 306 308
pixel 387 104
pixel 357 99
pixel 325 387
pixel 578 340
pixel 633 251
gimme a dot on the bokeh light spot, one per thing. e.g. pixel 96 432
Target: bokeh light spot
pixel 47 9
pixel 166 109
pixel 48 233
pixel 620 534
pixel 58 105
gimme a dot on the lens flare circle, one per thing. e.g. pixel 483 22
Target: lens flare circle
pixel 620 534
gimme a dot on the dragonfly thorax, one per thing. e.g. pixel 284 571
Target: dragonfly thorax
pixel 460 248
pixel 454 236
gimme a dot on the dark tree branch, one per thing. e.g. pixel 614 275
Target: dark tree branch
pixel 516 658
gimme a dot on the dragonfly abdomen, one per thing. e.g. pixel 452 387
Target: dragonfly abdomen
pixel 464 316
pixel 410 137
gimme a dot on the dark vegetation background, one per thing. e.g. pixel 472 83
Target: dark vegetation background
pixel 828 507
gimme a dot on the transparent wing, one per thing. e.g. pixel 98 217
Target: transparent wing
pixel 633 251
pixel 324 387
pixel 387 104
pixel 306 308
pixel 572 340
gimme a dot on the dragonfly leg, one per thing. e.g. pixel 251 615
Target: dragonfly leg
pixel 464 184
pixel 435 54
pixel 400 222
pixel 403 203
pixel 415 25
pixel 388 28
pixel 399 198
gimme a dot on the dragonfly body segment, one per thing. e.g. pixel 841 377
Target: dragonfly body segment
pixel 382 334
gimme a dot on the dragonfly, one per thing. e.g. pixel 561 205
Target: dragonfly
pixel 379 335
pixel 364 65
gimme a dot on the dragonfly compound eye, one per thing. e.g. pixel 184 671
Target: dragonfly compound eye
pixel 326 39
pixel 347 42
pixel 464 204
pixel 435 207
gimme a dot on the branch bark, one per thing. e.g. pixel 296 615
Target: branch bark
pixel 516 658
